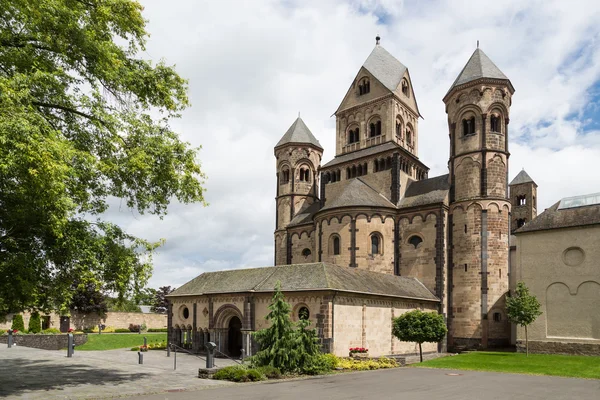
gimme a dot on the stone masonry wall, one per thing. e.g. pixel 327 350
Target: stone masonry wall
pixel 419 262
pixel 45 342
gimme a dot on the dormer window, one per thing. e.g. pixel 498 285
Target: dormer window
pixel 353 135
pixel 364 86
pixel 469 126
pixel 375 128
pixel 405 90
pixel 495 123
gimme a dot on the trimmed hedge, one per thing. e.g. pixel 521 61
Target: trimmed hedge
pixel 163 330
pixel 35 323
pixel 239 373
pixel 17 323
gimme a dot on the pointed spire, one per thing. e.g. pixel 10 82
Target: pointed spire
pixel 522 177
pixel 479 66
pixel 299 133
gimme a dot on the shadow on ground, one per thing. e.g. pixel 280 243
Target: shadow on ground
pixel 20 375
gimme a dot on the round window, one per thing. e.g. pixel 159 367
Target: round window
pixel 303 313
pixel 186 313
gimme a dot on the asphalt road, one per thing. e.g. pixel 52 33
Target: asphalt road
pixel 405 383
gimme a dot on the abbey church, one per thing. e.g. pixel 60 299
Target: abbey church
pixel 368 235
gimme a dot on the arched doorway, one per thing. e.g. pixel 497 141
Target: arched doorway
pixel 235 337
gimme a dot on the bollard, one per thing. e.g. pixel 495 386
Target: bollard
pixel 242 355
pixel 174 358
pixel 139 329
pixel 169 350
pixel 145 342
pixel 10 338
pixel 140 357
pixel 70 345
pixel 210 354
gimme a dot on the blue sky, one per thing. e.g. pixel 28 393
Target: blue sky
pixel 252 66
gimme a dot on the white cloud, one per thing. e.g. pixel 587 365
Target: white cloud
pixel 253 65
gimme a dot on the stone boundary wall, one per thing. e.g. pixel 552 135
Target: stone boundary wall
pixel 80 321
pixel 45 342
pixel 568 348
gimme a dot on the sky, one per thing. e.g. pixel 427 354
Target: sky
pixel 254 65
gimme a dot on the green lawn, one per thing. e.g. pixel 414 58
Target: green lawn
pixel 110 341
pixel 535 364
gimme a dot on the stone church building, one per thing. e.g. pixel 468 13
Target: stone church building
pixel 369 234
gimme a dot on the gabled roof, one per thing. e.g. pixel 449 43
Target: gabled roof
pixel 426 191
pixel 522 177
pixel 299 133
pixel 479 66
pixel 369 151
pixel 385 67
pixel 300 277
pixel 357 193
pixel 556 217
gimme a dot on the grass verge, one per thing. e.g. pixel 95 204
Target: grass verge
pixel 535 364
pixel 119 341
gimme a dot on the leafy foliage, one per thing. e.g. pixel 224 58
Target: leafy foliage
pixel 83 119
pixel 284 346
pixel 522 309
pixel 418 326
pixel 35 323
pixel 122 305
pixel 239 373
pixel 160 303
pixel 88 299
pixel 18 323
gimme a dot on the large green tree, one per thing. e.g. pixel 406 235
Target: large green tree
pixel 522 309
pixel 83 119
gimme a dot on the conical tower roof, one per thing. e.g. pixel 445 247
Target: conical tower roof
pixel 299 133
pixel 522 177
pixel 479 66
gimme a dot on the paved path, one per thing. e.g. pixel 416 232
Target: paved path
pixel 405 384
pixel 27 373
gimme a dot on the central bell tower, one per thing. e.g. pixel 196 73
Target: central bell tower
pixel 478 108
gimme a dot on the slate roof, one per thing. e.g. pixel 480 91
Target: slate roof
pixel 357 193
pixel 385 67
pixel 479 66
pixel 300 277
pixel 555 218
pixel 426 191
pixel 306 216
pixel 369 151
pixel 299 133
pixel 522 177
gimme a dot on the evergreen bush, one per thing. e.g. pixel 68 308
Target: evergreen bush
pixel 35 323
pixel 18 324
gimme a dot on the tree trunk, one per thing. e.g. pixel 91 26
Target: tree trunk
pixel 526 343
pixel 420 352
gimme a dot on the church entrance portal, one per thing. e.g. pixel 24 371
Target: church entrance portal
pixel 235 337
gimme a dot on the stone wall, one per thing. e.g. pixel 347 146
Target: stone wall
pixel 570 348
pixel 112 319
pixel 46 342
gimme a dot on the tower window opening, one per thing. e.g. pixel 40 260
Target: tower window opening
pixel 415 240
pixel 405 88
pixel 521 222
pixel 353 136
pixel 307 175
pixel 301 174
pixel 409 138
pixel 364 87
pixel 375 244
pixel 375 129
pixel 469 126
pixel 466 268
pixel 336 246
pixel 465 228
pixel 499 273
pixel 497 317
pixel 521 200
pixel 495 123
pixel 398 129
pixel 285 176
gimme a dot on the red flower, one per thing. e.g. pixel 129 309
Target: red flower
pixel 70 330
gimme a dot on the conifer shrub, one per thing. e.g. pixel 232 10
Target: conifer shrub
pixel 18 324
pixel 35 323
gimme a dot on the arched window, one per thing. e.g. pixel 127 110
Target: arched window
pixel 399 128
pixel 409 137
pixel 336 245
pixel 285 177
pixel 303 313
pixel 353 171
pixel 521 200
pixel 375 128
pixel 337 175
pixel 469 126
pixel 521 222
pixel 307 175
pixel 495 123
pixel 405 88
pixel 301 174
pixel 415 240
pixel 376 245
pixel 364 86
pixel 353 136
pixel 388 163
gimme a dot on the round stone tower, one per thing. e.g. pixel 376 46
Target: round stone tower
pixel 478 105
pixel 298 155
